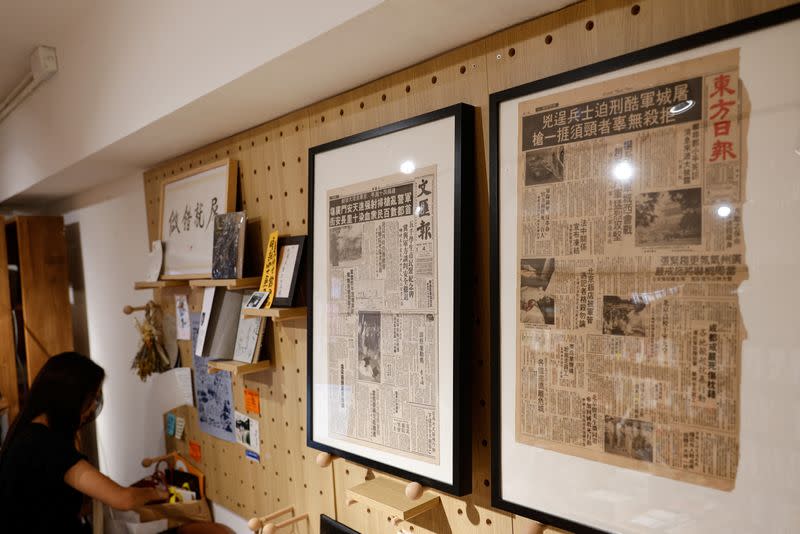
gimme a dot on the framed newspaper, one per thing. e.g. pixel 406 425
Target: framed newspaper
pixel 619 212
pixel 390 262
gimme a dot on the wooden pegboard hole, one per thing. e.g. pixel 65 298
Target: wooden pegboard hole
pixel 589 25
pixel 240 148
pixel 172 172
pixel 488 521
pixel 434 79
pixel 297 128
pixel 548 39
pixel 322 118
pixel 299 159
pixel 408 88
pixel 227 152
pixel 383 97
pixel 273 225
pixel 252 143
pixel 270 197
pixel 190 165
pixel 462 69
pixel 256 200
pixel 266 139
pixel 512 52
pixel 280 133
pixel 369 511
pixel 283 164
pixel 305 486
pixel 635 9
pixel 301 190
pixel 460 511
pixel 269 168
pixel 216 156
pixel 486 482
pixel 361 105
pixel 299 399
pixel 346 471
pixel 290 479
pixel 255 171
pixel 485 443
pixel 341 112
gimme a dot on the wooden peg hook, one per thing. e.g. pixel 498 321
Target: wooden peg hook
pixel 414 490
pixel 257 523
pixel 128 309
pixel 324 459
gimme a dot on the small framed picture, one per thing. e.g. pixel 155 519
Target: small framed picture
pixel 257 299
pixel 290 259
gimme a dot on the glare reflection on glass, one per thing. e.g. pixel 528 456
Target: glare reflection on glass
pixel 723 211
pixel 623 171
pixel 681 107
pixel 407 167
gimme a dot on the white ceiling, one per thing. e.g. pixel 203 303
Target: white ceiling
pixel 390 36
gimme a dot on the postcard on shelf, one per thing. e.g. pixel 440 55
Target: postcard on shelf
pixel 205 316
pixel 228 245
pixel 256 300
pixel 182 322
pixel 155 260
pixel 248 334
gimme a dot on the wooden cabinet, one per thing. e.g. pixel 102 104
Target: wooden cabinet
pixel 35 311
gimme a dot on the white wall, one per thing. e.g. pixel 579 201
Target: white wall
pixel 113 248
pixel 106 227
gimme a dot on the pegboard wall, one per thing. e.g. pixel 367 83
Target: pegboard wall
pixel 272 189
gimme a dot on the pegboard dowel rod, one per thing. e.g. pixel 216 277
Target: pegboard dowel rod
pixel 272 528
pixel 256 523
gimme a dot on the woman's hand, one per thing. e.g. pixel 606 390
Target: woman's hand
pixel 85 478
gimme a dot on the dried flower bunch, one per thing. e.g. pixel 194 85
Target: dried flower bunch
pixel 151 356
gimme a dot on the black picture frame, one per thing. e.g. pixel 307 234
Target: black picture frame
pixel 328 525
pixel 727 31
pixel 464 176
pixel 300 240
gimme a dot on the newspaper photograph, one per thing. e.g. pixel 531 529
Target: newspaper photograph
pixel 630 252
pixel 383 361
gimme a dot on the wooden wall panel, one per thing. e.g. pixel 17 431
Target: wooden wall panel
pixel 273 185
pixel 44 273
pixel 8 365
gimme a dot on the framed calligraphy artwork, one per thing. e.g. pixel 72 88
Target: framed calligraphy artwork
pixel 189 202
pixel 619 214
pixel 389 276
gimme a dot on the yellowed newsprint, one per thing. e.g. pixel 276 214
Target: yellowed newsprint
pixel 630 253
pixel 382 306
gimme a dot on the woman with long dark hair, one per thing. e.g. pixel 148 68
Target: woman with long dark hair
pixel 42 475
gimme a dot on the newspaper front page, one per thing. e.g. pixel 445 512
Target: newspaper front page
pixel 630 253
pixel 383 314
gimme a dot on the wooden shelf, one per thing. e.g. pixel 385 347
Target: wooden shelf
pixel 158 284
pixel 390 496
pixel 231 283
pixel 237 368
pixel 278 314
